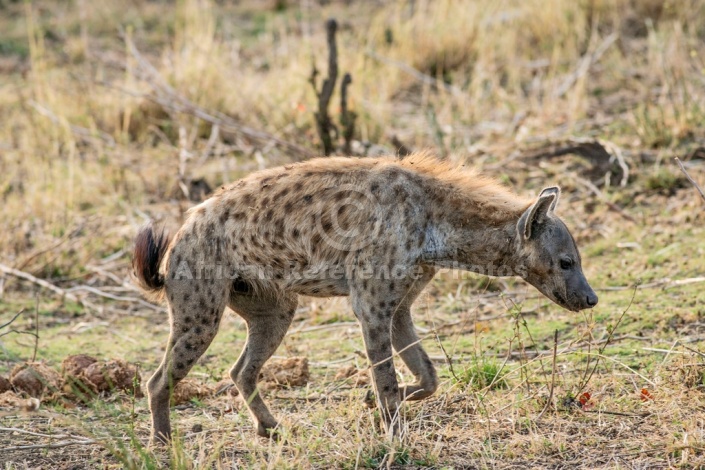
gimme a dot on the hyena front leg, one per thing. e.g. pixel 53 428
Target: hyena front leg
pixel 268 319
pixel 406 342
pixel 376 320
pixel 195 309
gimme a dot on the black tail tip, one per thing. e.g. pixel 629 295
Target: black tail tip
pixel 150 246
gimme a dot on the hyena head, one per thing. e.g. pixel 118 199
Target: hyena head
pixel 550 256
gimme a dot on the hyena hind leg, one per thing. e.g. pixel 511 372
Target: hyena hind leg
pixel 268 319
pixel 193 327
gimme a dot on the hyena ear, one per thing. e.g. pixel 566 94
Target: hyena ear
pixel 538 211
pixel 554 191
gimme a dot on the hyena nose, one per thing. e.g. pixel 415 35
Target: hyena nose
pixel 591 299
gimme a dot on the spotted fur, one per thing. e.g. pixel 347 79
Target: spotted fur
pixel 374 229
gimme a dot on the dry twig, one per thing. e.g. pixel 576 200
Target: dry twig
pixel 85 134
pixel 36 329
pixel 12 319
pixel 690 178
pixel 70 440
pixel 584 65
pixel 420 76
pixel 601 350
pixel 553 375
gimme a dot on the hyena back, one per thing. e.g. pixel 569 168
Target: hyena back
pixel 375 229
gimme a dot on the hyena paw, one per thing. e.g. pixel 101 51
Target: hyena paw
pixel 269 430
pixel 369 400
pixel 160 439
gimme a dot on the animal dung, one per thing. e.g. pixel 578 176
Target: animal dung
pixel 360 377
pixel 289 372
pixel 111 375
pixel 10 399
pixel 72 366
pixel 5 384
pixel 188 389
pixel 75 384
pixel 85 374
pixel 226 386
pixel 34 379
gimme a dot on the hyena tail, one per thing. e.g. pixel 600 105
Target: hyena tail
pixel 150 247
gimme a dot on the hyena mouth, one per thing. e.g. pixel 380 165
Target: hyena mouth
pixel 560 300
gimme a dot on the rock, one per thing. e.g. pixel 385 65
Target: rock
pixel 290 372
pixel 35 378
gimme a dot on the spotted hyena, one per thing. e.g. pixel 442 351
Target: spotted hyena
pixel 374 229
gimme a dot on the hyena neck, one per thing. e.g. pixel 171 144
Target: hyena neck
pixel 467 242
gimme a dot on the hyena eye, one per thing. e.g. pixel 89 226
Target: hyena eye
pixel 566 263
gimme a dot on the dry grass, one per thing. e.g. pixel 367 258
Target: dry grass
pixel 86 156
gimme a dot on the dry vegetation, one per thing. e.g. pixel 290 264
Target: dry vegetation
pixel 115 113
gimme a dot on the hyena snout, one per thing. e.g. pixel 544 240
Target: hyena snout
pixel 582 297
pixel 586 300
pixel 591 299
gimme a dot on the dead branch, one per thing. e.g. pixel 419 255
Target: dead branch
pixel 168 98
pixel 664 283
pixel 347 117
pixel 323 122
pixel 70 439
pixel 587 61
pixel 602 154
pixel 596 191
pixel 38 434
pixel 107 295
pixel 690 178
pixel 85 134
pixel 40 282
pixel 54 445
